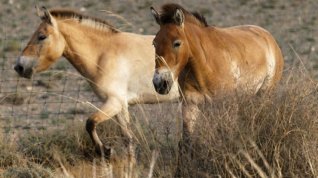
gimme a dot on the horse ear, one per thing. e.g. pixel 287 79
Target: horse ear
pixel 39 13
pixel 179 17
pixel 46 17
pixel 155 14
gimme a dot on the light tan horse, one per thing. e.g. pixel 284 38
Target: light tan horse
pixel 118 65
pixel 209 61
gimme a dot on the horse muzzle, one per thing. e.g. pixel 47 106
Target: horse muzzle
pixel 162 82
pixel 24 66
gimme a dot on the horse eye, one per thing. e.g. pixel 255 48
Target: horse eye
pixel 176 44
pixel 154 43
pixel 41 37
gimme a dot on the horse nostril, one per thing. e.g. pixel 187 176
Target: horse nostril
pixel 156 83
pixel 18 68
pixel 164 84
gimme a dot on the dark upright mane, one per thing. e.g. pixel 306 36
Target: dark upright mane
pixel 82 19
pixel 201 18
pixel 168 11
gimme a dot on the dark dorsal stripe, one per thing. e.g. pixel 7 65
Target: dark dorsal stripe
pixel 168 11
pixel 71 14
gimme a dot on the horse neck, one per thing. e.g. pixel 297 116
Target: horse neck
pixel 199 72
pixel 84 48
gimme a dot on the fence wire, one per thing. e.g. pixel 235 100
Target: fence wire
pixel 49 99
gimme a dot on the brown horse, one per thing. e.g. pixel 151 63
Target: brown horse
pixel 118 65
pixel 208 61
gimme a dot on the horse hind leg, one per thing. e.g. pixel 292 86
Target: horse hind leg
pixel 100 148
pixel 266 87
pixel 275 63
pixel 111 108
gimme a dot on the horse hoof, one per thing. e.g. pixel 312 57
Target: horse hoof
pixel 177 175
pixel 181 173
pixel 103 151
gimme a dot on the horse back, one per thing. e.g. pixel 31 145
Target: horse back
pixel 263 55
pixel 246 56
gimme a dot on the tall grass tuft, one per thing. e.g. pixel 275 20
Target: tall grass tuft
pixel 271 135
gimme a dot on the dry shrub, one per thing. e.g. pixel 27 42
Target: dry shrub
pixel 28 171
pixel 155 131
pixel 8 154
pixel 51 147
pixel 14 165
pixel 70 152
pixel 271 135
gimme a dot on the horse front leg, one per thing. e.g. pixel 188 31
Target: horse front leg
pixel 112 107
pixel 190 113
pixel 124 121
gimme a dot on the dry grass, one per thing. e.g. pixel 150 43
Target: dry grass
pixel 272 135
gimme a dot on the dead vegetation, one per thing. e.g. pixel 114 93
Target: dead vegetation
pixel 271 135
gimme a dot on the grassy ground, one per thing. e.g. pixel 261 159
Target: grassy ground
pixel 42 121
pixel 273 135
